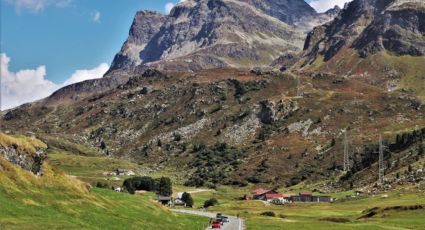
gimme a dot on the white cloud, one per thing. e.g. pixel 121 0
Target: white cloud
pixel 87 74
pixel 168 7
pixel 38 5
pixel 30 85
pixel 96 16
pixel 324 5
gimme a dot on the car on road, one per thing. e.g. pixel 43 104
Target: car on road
pixel 216 224
pixel 225 219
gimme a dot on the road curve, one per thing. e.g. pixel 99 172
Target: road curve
pixel 233 224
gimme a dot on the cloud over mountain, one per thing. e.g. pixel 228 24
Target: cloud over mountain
pixel 324 5
pixel 31 84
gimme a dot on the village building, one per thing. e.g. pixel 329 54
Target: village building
pixel 260 193
pixel 124 172
pixel 308 197
pixel 118 189
pixel 179 202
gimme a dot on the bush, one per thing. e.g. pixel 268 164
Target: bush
pixel 100 184
pixel 187 198
pixel 282 216
pixel 268 213
pixel 210 202
pixel 161 186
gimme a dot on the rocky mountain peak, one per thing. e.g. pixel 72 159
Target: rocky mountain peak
pixel 202 34
pixel 369 26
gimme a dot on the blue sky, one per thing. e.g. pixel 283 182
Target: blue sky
pixel 47 44
pixel 67 38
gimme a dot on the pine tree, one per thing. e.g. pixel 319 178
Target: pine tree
pixel 165 187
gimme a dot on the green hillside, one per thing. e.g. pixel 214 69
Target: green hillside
pixel 58 201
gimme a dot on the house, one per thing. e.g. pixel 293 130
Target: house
pixel 118 189
pixel 308 197
pixel 260 193
pixel 124 172
pixel 179 202
pixel 165 200
pixel 180 195
pixel 319 199
pixel 270 197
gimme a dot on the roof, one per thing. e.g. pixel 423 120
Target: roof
pixel 306 194
pixel 161 198
pixel 286 195
pixel 260 191
pixel 271 196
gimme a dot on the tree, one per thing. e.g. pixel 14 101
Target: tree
pixel 210 202
pixel 165 187
pixel 187 198
pixel 139 183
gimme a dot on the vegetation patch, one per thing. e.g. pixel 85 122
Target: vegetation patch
pixel 335 219
pixel 214 164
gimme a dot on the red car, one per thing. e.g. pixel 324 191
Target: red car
pixel 216 224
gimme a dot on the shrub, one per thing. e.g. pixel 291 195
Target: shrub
pixel 282 216
pixel 268 213
pixel 100 184
pixel 210 202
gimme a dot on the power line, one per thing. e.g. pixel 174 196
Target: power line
pixel 381 169
pixel 346 164
pixel 299 87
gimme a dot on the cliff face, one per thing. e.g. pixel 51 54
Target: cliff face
pixel 27 153
pixel 202 34
pixel 145 25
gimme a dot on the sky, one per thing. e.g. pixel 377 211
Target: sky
pixel 48 44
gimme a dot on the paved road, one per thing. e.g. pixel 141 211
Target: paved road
pixel 233 224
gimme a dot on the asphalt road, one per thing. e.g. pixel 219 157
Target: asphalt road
pixel 233 224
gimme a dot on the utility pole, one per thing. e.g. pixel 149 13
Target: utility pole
pixel 346 164
pixel 381 162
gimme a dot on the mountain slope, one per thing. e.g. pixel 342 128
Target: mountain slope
pixel 235 125
pixel 381 42
pixel 370 26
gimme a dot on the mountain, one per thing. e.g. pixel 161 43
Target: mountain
pixel 201 34
pixel 381 42
pixel 233 126
pixel 370 26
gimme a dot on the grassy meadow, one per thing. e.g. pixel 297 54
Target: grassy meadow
pixel 59 201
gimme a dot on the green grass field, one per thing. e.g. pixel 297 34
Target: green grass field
pixel 310 216
pixel 57 201
pixel 297 216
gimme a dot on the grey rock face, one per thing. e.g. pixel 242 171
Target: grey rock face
pixel 370 26
pixel 272 111
pixel 30 162
pixel 202 34
pixel 145 25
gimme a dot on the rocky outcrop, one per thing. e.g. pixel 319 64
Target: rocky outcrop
pixel 28 158
pixel 272 111
pixel 30 162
